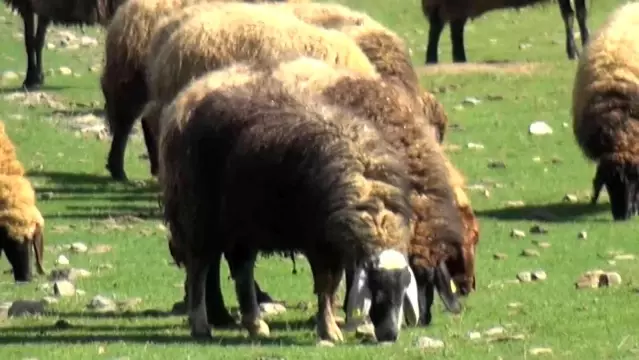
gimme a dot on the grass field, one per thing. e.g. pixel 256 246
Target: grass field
pixel 80 203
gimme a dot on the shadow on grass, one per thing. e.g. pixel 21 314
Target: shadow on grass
pixel 74 182
pixel 8 90
pixel 79 111
pixel 92 212
pixel 558 212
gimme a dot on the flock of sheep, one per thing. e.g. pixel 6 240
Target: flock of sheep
pixel 299 127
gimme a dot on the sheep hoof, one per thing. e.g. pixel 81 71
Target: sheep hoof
pixel 200 330
pixel 258 329
pixel 331 333
pixel 33 82
pixel 116 174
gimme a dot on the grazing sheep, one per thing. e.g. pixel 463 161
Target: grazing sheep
pixel 341 192
pixel 220 35
pixel 439 12
pixel 67 12
pixel 21 224
pixel 605 108
pixel 123 80
pixel 439 229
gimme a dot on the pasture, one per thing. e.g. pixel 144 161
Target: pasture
pixel 65 154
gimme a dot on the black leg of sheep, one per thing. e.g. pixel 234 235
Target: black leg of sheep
pixel 436 26
pixel 457 39
pixel 582 14
pixel 40 36
pixel 18 254
pixel 569 18
pixel 34 77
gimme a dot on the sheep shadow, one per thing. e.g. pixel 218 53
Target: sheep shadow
pixel 10 90
pixel 553 213
pixel 481 67
pixel 85 183
pixel 82 111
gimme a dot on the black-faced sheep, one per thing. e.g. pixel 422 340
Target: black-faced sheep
pixel 605 109
pixel 21 224
pixel 457 13
pixel 229 155
pixel 223 34
pixel 439 227
pixel 67 12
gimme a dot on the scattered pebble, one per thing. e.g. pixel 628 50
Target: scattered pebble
pixel 63 288
pixel 500 256
pixel 542 244
pixel 366 330
pixel 50 46
pixel 524 276
pixel 62 260
pixel 624 257
pixel 496 164
pixel 65 70
pixel 516 233
pixel 497 330
pixel 515 203
pixel 68 274
pixel 598 278
pixel 582 235
pixel 79 247
pixel 88 41
pixel 537 229
pixel 272 308
pixel 9 75
pixel 474 335
pixel 530 253
pixel 325 343
pixel 424 342
pixel 536 159
pixel 100 249
pixel 539 351
pixel 474 146
pixel 539 128
pixel 129 304
pixel 570 198
pixel 514 305
pixel 26 308
pixel 49 300
pixel 102 304
pixel 4 310
pixel 539 275
pixel 471 101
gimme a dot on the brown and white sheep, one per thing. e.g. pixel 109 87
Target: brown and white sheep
pixel 21 224
pixel 263 148
pixel 439 226
pixel 67 12
pixel 457 13
pixel 605 109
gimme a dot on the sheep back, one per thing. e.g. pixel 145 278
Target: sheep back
pixel 462 9
pixel 9 163
pixel 605 98
pixel 72 12
pixel 18 212
pixel 346 160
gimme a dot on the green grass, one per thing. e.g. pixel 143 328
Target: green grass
pixel 576 324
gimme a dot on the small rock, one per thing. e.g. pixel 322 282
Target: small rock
pixel 497 330
pixel 25 308
pixel 50 46
pixel 95 68
pixel 272 308
pixel 102 304
pixel 68 274
pixel 542 244
pixel 582 235
pixel 49 300
pixel 496 164
pixel 100 249
pixel 624 257
pixel 536 159
pixel 539 275
pixel 79 247
pixel 515 203
pixel 474 146
pixel 65 70
pixel 471 101
pixel 62 260
pixel 598 278
pixel 539 128
pixel 325 343
pixel 474 335
pixel 366 330
pixel 517 233
pixel 88 41
pixel 129 304
pixel 63 288
pixel 570 198
pixel 424 342
pixel 514 305
pixel 9 75
pixel 499 256
pixel 524 276
pixel 539 351
pixel 537 229
pixel 524 46
pixel 80 292
pixel 4 310
pixel 106 266
pixel 530 253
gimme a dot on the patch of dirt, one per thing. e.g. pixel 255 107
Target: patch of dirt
pixel 474 68
pixel 36 98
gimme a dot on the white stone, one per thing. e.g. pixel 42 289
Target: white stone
pixel 63 288
pixel 62 260
pixel 79 247
pixel 424 342
pixel 65 70
pixel 539 128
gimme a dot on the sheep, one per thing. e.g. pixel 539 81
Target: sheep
pixel 439 228
pixel 67 12
pixel 220 35
pixel 264 148
pixel 438 12
pixel 21 224
pixel 604 109
pixel 123 81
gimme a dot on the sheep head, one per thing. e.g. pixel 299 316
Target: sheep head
pixel 620 175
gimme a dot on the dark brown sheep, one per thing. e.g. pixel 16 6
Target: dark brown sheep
pixel 67 12
pixel 457 13
pixel 341 192
pixel 605 109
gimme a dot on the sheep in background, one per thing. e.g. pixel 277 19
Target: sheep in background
pixel 21 224
pixel 67 12
pixel 605 109
pixel 264 149
pixel 220 35
pixel 439 229
pixel 457 13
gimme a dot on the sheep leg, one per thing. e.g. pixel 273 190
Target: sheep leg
pixel 242 264
pixel 121 128
pixel 597 184
pixel 151 147
pixel 426 297
pixel 18 255
pixel 40 36
pixel 196 278
pixel 33 79
pixel 326 279
pixel 457 39
pixel 582 14
pixel 436 26
pixel 218 316
pixel 569 18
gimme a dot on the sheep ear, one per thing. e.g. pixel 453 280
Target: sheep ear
pixel 411 301
pixel 359 298
pixel 447 289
